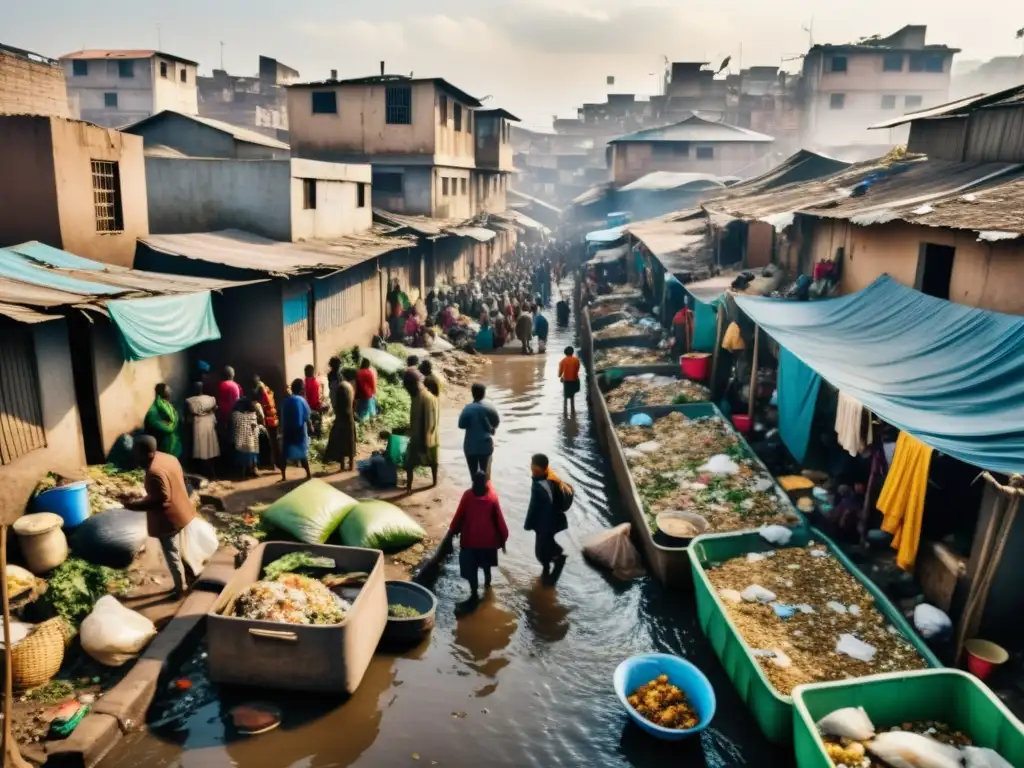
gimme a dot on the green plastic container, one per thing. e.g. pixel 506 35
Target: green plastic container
pixel 772 710
pixel 947 695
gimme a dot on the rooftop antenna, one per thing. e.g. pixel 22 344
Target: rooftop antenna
pixel 222 54
pixel 809 29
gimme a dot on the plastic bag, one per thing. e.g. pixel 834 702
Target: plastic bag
pixel 755 593
pixel 848 723
pixel 720 464
pixel 931 622
pixel 902 749
pixel 641 420
pixel 776 534
pixel 613 550
pixel 113 634
pixel 112 538
pixel 311 512
pixel 381 360
pixel 376 524
pixel 19 631
pixel 981 757
pixel 730 596
pixel 650 446
pixel 855 649
pixel 197 543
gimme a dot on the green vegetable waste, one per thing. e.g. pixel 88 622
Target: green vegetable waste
pixel 76 585
pixel 296 562
pixel 399 611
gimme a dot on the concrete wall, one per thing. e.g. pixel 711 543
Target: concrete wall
pixel 417 196
pixel 634 159
pixel 337 211
pixel 75 145
pixel 298 346
pixel 986 275
pixel 359 126
pixel 493 147
pixel 31 87
pixel 170 91
pixel 64 451
pixel 454 147
pixel 201 195
pixel 145 93
pixel 490 191
pixel 27 185
pixel 348 311
pixel 125 389
pixel 458 202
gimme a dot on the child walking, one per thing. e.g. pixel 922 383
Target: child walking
pixel 482 531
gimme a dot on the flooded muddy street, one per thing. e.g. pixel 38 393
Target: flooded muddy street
pixel 523 681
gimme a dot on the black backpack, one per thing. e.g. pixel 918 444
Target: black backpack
pixel 562 496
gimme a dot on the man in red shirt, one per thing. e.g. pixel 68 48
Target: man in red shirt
pixel 316 404
pixel 366 391
pixel 482 531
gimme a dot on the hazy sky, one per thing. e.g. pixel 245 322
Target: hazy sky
pixel 533 57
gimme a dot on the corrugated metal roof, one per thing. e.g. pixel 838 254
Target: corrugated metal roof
pixel 659 181
pixel 674 239
pixel 476 233
pixel 696 129
pixel 244 250
pixel 24 314
pixel 426 226
pixel 804 165
pixel 237 132
pixel 1005 97
pixel 535 200
pixel 140 53
pixel 521 219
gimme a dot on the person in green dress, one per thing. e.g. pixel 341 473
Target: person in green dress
pixel 162 422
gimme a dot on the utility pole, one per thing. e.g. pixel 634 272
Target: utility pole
pixel 222 54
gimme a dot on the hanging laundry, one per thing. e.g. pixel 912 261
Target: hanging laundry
pixel 902 498
pixel 733 340
pixel 850 425
pixel 798 396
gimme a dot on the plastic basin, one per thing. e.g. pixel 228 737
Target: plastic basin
pixel 947 695
pixel 983 656
pixel 414 629
pixel 639 670
pixel 695 365
pixel 70 501
pixel 742 422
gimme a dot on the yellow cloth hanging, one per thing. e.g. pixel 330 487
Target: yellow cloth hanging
pixel 902 497
pixel 732 340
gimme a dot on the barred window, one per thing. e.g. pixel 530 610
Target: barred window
pixel 106 196
pixel 398 102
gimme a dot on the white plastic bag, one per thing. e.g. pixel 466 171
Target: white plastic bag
pixel 847 723
pixel 982 757
pixel 613 550
pixel 19 631
pixel 197 543
pixel 113 634
pixel 720 464
pixel 930 621
pixel 855 649
pixel 902 749
pixel 755 593
pixel 730 596
pixel 651 446
pixel 776 534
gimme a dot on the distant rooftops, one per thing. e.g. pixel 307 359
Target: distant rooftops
pixel 30 55
pixel 438 82
pixel 909 38
pixel 103 53
pixel 237 132
pixel 498 112
pixel 697 129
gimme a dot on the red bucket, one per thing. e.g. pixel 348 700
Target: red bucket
pixel 695 365
pixel 742 422
pixel 984 656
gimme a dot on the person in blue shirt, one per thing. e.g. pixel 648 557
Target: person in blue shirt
pixel 540 330
pixel 480 420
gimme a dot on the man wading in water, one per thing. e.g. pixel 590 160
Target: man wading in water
pixel 550 498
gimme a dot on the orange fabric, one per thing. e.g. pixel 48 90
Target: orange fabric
pixel 569 369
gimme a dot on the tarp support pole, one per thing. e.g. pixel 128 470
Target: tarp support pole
pixel 719 315
pixel 753 373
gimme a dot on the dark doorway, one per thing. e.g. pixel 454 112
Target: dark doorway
pixel 80 338
pixel 935 269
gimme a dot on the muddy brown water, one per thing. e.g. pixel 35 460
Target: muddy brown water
pixel 524 681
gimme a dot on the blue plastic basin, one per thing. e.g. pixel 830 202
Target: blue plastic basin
pixel 640 670
pixel 70 501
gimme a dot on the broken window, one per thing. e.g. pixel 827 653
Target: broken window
pixel 106 196
pixel 309 194
pixel 324 102
pixel 458 116
pixel 398 105
pixel 126 68
pixel 80 68
pixel 837 101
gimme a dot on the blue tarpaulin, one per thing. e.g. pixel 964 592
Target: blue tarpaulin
pixel 606 235
pixel 951 375
pixel 798 395
pixel 55 257
pixel 163 324
pixel 17 267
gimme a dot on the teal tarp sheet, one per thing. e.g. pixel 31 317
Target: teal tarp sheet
pixel 606 235
pixel 164 324
pixel 798 395
pixel 17 267
pixel 705 326
pixel 951 375
pixel 55 257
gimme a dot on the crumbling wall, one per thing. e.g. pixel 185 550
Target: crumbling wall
pixel 31 87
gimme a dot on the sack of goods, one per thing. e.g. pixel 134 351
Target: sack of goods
pixel 112 538
pixel 310 513
pixel 113 634
pixel 375 524
pixel 614 551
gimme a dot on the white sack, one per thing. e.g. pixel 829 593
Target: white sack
pixel 613 550
pixel 901 749
pixel 982 757
pixel 197 542
pixel 113 634
pixel 848 723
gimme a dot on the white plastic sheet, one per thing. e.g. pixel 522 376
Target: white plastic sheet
pixel 848 723
pixel 855 648
pixel 902 749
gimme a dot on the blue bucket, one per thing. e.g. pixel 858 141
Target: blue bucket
pixel 71 502
pixel 640 670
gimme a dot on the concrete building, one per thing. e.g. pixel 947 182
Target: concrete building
pixel 493 159
pixel 693 145
pixel 195 136
pixel 72 185
pixel 971 78
pixel 116 87
pixel 847 88
pixel 418 133
pixel 259 102
pixel 288 200
pixel 31 84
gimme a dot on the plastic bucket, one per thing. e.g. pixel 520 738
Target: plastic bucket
pixel 742 422
pixel 983 656
pixel 640 670
pixel 71 502
pixel 696 365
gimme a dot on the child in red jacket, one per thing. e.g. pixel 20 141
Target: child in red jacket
pixel 482 530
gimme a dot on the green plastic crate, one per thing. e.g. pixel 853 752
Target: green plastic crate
pixel 947 695
pixel 772 710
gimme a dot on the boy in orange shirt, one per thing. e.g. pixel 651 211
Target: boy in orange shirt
pixel 569 373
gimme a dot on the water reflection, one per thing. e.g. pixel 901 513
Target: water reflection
pixel 481 635
pixel 547 618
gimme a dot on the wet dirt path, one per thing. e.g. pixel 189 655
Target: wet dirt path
pixel 525 680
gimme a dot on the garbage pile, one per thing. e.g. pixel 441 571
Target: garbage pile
pixel 702 466
pixel 808 619
pixel 616 356
pixel 851 740
pixel 622 329
pixel 291 599
pixel 649 389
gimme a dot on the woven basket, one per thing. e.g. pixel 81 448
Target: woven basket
pixel 37 658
